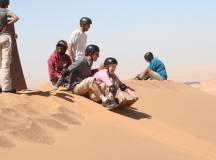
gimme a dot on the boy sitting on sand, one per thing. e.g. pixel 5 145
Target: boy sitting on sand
pixel 155 71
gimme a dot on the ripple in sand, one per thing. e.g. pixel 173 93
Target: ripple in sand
pixel 66 118
pixel 54 124
pixel 34 133
pixel 6 143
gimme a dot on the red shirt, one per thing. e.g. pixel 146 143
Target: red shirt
pixel 56 64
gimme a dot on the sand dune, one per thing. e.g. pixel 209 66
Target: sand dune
pixel 207 86
pixel 170 121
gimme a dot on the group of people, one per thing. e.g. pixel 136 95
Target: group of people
pixel 71 65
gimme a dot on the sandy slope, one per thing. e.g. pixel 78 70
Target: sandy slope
pixel 207 86
pixel 171 121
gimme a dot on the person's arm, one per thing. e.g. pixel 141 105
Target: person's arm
pixel 69 71
pixel 71 44
pixel 68 62
pixel 51 68
pixel 70 51
pixel 74 66
pixel 12 18
pixel 131 93
pixel 93 71
pixel 143 74
pixel 122 86
pixel 103 76
pixel 126 89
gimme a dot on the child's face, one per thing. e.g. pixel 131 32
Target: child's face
pixel 86 27
pixel 147 61
pixel 61 49
pixel 95 56
pixel 112 68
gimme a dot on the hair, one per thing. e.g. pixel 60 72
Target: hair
pixel 148 56
pixel 61 43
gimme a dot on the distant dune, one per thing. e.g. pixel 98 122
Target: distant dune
pixel 208 86
pixel 171 121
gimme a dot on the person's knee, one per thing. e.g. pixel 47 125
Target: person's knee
pixel 148 71
pixel 91 83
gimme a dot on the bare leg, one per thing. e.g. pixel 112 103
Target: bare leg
pixel 150 73
pixel 145 72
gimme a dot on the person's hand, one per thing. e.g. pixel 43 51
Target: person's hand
pixel 65 65
pixel 58 76
pixel 137 77
pixel 136 98
pixel 132 94
pixel 131 89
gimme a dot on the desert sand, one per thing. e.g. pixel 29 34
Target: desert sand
pixel 171 121
pixel 208 86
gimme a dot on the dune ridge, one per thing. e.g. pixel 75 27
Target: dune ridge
pixel 171 120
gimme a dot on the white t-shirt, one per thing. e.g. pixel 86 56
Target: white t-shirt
pixel 79 40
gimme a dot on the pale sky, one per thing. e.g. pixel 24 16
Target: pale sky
pixel 180 33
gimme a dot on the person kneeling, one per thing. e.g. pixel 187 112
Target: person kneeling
pixel 58 61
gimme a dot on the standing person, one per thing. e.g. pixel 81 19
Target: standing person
pixel 81 82
pixel 155 71
pixel 78 40
pixel 6 19
pixel 58 61
pixel 110 84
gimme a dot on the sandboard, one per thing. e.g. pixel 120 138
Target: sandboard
pixel 16 72
pixel 124 104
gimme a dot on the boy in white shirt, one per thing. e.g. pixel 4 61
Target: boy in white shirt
pixel 78 40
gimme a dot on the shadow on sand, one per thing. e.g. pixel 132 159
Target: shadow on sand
pixel 66 96
pixel 132 112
